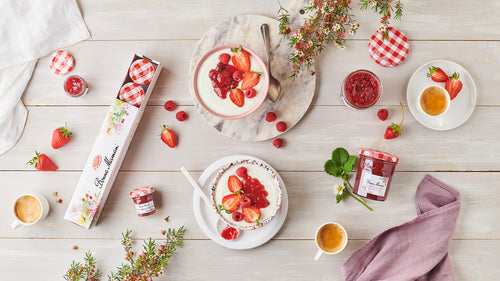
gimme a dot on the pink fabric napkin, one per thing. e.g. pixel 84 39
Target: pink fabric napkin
pixel 416 250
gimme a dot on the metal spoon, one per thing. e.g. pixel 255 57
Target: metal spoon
pixel 221 225
pixel 274 84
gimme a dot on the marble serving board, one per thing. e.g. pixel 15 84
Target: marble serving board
pixel 296 95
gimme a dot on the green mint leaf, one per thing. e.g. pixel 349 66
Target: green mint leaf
pixel 340 156
pixel 332 169
pixel 349 164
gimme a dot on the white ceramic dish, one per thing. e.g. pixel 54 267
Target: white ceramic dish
pixel 461 107
pixel 207 218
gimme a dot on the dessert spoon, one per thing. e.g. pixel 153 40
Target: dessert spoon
pixel 274 85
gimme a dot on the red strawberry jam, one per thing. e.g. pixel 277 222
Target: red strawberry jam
pixel 253 189
pixel 230 233
pixel 75 86
pixel 361 89
pixel 222 79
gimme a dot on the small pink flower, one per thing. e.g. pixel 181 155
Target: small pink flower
pixel 163 232
pixel 75 247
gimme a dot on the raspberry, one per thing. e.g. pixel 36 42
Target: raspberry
pixel 237 75
pixel 281 126
pixel 241 172
pixel 224 58
pixel 278 142
pixel 250 93
pixel 270 117
pixel 181 116
pixel 170 105
pixel 237 216
pixel 383 114
pixel 245 202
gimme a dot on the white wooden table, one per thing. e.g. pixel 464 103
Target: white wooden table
pixel 466 158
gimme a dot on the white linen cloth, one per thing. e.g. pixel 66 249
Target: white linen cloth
pixel 29 30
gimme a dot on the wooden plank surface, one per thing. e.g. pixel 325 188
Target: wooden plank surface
pixel 466 158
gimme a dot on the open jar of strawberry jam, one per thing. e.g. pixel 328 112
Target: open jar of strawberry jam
pixel 361 89
pixel 375 170
pixel 143 199
pixel 75 86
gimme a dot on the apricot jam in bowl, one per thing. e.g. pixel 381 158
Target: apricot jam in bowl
pixel 246 194
pixel 361 89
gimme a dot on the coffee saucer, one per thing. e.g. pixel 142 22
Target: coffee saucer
pixel 461 107
pixel 207 218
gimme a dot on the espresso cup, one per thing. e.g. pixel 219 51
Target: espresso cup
pixel 331 239
pixel 434 101
pixel 29 209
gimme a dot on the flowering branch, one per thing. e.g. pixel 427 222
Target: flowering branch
pixel 84 272
pixel 385 8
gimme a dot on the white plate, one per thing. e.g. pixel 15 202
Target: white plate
pixel 207 218
pixel 461 107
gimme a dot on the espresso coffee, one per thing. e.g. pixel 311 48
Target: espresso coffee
pixel 28 209
pixel 331 238
pixel 433 101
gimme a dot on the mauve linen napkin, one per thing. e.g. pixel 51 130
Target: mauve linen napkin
pixel 416 250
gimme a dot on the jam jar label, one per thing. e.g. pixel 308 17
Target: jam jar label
pixel 370 183
pixel 145 207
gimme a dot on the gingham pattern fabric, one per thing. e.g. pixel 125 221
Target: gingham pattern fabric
pixel 389 52
pixel 132 93
pixel 141 71
pixel 379 155
pixel 141 191
pixel 61 62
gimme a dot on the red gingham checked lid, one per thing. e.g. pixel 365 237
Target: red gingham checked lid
pixel 141 191
pixel 379 155
pixel 61 62
pixel 389 52
pixel 132 93
pixel 141 71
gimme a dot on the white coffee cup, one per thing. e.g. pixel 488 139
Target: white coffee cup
pixel 28 209
pixel 331 238
pixel 433 101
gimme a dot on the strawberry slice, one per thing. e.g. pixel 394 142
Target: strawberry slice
pixel 437 74
pixel 251 214
pixel 230 203
pixel 241 59
pixel 168 136
pixel 250 80
pixel 237 97
pixel 234 184
pixel 453 85
pixel 42 162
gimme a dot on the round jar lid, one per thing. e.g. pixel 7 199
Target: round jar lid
pixel 61 62
pixel 132 93
pixel 141 191
pixel 389 52
pixel 378 155
pixel 141 71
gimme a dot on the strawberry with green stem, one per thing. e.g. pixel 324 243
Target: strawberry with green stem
pixel 453 85
pixel 61 136
pixel 168 136
pixel 42 162
pixel 394 130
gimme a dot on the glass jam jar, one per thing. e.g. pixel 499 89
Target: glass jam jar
pixel 361 89
pixel 375 170
pixel 75 86
pixel 143 199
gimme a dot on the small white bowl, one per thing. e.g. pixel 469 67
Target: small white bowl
pixel 446 99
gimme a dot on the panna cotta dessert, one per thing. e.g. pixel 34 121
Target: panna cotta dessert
pixel 230 81
pixel 247 194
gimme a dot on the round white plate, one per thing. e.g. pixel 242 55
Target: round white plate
pixel 461 107
pixel 207 218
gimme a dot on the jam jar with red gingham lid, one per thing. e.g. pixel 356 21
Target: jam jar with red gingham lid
pixel 143 199
pixel 375 170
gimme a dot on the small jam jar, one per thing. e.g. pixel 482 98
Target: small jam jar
pixel 75 86
pixel 361 89
pixel 375 170
pixel 143 199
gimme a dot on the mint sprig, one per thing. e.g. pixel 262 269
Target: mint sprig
pixel 340 166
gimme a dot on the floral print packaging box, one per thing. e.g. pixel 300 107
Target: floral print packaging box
pixel 112 142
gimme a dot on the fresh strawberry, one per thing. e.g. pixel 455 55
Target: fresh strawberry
pixel 168 136
pixel 278 143
pixel 453 85
pixel 245 202
pixel 181 116
pixel 230 203
pixel 61 136
pixel 250 93
pixel 383 114
pixel 242 172
pixel 234 184
pixel 250 80
pixel 251 214
pixel 241 59
pixel 270 117
pixel 394 130
pixel 237 97
pixel 237 216
pixel 224 58
pixel 281 126
pixel 42 162
pixel 437 74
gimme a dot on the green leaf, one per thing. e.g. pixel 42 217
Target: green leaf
pixel 332 169
pixel 340 156
pixel 341 196
pixel 349 164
